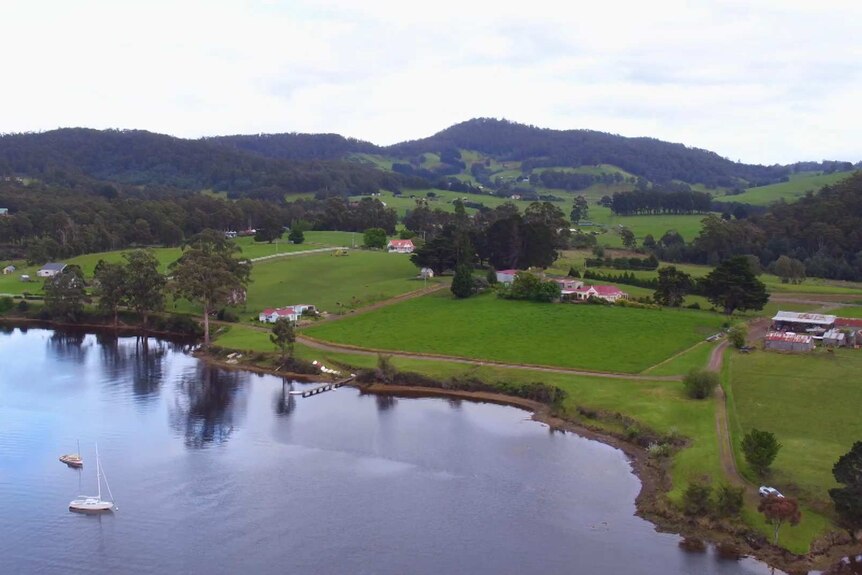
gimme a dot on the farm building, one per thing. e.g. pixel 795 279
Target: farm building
pixel 803 322
pixel 852 327
pixel 567 283
pixel 8 270
pixel 426 273
pixel 608 293
pixel 292 313
pixel 788 341
pixel 835 337
pixel 50 270
pixel 400 246
pixel 506 276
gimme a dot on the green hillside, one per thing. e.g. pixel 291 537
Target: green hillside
pixel 797 186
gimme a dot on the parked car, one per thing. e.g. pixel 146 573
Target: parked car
pixel 766 491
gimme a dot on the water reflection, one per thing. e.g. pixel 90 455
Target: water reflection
pixel 140 358
pixel 385 402
pixel 68 346
pixel 208 405
pixel 284 402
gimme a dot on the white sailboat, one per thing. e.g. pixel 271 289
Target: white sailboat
pixel 94 504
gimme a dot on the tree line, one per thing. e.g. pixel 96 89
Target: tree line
pixel 660 201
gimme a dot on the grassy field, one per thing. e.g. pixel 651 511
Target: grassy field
pixel 604 338
pixel 696 356
pixel 797 186
pixel 334 284
pixel 810 402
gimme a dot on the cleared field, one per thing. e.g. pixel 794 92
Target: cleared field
pixel 797 186
pixel 853 311
pixel 694 357
pixel 810 402
pixel 334 284
pixel 602 338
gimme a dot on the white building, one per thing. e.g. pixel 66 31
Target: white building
pixel 400 246
pixel 50 270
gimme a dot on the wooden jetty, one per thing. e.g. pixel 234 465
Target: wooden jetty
pixel 322 388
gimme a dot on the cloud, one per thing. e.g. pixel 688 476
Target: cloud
pixel 765 82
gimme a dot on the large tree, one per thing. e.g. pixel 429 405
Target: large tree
pixel 145 284
pixel 208 272
pixel 283 337
pixel 580 210
pixel 375 238
pixel 673 285
pixel 111 279
pixel 733 286
pixel 848 499
pixel 65 294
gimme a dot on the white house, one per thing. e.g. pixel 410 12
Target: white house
pixel 8 270
pixel 400 246
pixel 272 315
pixel 506 276
pixel 609 293
pixel 50 270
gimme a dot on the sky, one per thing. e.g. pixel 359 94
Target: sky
pixel 756 81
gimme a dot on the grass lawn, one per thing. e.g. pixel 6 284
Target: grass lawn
pixel 854 311
pixel 602 338
pixel 331 283
pixel 694 357
pixel 791 190
pixel 810 402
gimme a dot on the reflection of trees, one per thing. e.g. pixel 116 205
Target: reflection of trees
pixel 284 402
pixel 140 358
pixel 385 402
pixel 205 409
pixel 68 346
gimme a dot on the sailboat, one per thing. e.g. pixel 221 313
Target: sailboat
pixel 94 504
pixel 73 459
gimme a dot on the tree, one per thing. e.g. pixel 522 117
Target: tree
pixel 732 286
pixel 649 242
pixel 789 270
pixel 111 278
pixel 439 254
pixel 65 294
pixel 779 510
pixel 672 287
pixel 145 284
pixel 628 238
pixel 462 283
pixel 580 210
pixel 375 238
pixel 700 383
pixel 848 499
pixel 760 449
pixel 283 337
pixel 491 276
pixel 737 335
pixel 296 236
pixel 209 273
pixel 695 499
pixel 729 500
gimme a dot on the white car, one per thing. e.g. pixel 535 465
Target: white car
pixel 768 491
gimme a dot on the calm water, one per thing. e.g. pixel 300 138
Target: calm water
pixel 220 472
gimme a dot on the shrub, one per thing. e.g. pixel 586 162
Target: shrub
pixel 695 500
pixel 5 304
pixel 23 305
pixel 658 450
pixel 228 315
pixel 699 383
pixel 296 236
pixel 491 276
pixel 406 234
pixel 694 305
pixel 729 500
pixel 737 335
pixel 760 449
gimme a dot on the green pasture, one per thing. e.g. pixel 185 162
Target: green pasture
pixel 810 402
pixel 797 186
pixel 602 338
pixel 852 311
pixel 337 284
pixel 696 356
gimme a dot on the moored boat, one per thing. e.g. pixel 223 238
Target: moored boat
pixel 90 503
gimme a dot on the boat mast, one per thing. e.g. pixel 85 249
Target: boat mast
pixel 98 472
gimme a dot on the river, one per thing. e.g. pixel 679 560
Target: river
pixel 218 471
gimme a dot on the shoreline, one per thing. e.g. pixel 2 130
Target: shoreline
pixel 652 473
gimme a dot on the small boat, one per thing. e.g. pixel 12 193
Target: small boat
pixel 91 503
pixel 73 459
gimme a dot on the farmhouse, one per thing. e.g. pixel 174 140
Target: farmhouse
pixel 8 270
pixel 788 341
pixel 607 293
pixel 803 322
pixel 50 270
pixel 506 276
pixel 400 246
pixel 292 313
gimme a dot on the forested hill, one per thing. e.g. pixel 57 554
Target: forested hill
pixel 652 159
pixel 143 158
pixel 298 146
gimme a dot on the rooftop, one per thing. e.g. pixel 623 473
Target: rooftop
pixel 788 337
pixel 809 318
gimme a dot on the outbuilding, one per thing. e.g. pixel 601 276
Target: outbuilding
pixel 50 270
pixel 802 322
pixel 8 270
pixel 506 276
pixel 788 341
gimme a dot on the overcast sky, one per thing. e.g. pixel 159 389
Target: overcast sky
pixel 756 81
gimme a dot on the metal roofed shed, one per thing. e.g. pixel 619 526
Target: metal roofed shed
pixel 801 321
pixel 834 337
pixel 788 341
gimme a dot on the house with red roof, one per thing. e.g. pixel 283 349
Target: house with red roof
pixel 292 313
pixel 608 293
pixel 506 276
pixel 400 246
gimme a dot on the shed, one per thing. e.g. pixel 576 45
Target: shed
pixel 506 276
pixel 834 337
pixel 788 341
pixel 8 270
pixel 50 270
pixel 796 322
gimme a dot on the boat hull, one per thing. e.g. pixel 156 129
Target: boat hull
pixel 90 505
pixel 72 460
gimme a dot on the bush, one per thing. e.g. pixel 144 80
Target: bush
pixel 695 500
pixel 694 305
pixel 296 236
pixel 228 315
pixel 658 450
pixel 23 305
pixel 737 335
pixel 5 304
pixel 406 234
pixel 729 500
pixel 760 449
pixel 699 383
pixel 179 324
